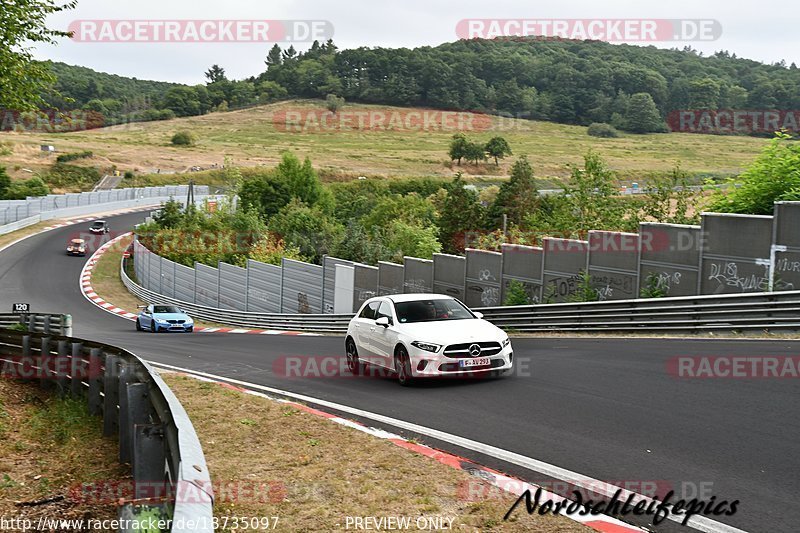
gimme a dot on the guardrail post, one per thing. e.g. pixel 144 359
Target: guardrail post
pixel 76 369
pixel 149 459
pixel 46 324
pixel 125 380
pixel 26 346
pixel 61 366
pixel 111 396
pixel 45 359
pixel 94 378
pixel 66 325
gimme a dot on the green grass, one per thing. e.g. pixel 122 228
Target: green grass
pixel 61 420
pixel 250 138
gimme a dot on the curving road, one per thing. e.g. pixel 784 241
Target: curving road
pixel 606 408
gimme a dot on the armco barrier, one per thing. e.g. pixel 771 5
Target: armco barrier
pixel 752 311
pixel 319 323
pixel 39 323
pixel 732 312
pixel 155 434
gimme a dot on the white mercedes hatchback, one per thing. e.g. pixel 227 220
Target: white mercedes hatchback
pixel 425 335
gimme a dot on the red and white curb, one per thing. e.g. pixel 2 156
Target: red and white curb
pixel 513 486
pixel 89 293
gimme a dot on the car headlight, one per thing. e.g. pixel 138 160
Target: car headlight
pixel 506 342
pixel 161 321
pixel 427 346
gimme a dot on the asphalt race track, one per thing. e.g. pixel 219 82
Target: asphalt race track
pixel 606 408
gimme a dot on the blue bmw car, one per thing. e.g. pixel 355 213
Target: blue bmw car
pixel 155 318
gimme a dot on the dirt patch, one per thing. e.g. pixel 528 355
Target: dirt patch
pixel 269 459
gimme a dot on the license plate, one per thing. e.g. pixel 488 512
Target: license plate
pixel 481 361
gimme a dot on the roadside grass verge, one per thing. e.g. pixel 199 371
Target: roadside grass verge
pixel 49 446
pixel 269 459
pixel 106 281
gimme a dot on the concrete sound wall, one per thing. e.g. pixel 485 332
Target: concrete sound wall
pixel 669 261
pixel 564 262
pixel 736 251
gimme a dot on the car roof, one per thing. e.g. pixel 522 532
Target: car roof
pixel 99 222
pixel 76 241
pixel 398 298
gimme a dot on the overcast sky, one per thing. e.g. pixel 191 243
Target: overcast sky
pixel 762 31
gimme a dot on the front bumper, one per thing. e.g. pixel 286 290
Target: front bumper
pixel 75 252
pixel 176 328
pixel 427 364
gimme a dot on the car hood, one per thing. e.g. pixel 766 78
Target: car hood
pixel 453 331
pixel 171 316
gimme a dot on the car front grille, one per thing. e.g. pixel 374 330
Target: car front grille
pixel 461 351
pixel 176 321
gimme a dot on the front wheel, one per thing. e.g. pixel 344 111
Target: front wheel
pixel 153 327
pixel 402 365
pixel 138 325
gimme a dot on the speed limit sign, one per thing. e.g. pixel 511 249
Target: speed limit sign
pixel 21 308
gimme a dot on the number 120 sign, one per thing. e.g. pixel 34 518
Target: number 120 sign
pixel 21 308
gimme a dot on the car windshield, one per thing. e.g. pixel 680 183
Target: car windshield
pixel 166 309
pixel 98 224
pixel 77 241
pixel 431 311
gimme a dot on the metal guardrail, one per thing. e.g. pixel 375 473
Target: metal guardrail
pixel 242 319
pixel 155 434
pixel 753 311
pixel 42 323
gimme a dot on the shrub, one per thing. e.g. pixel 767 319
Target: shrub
pixel 653 288
pixel 516 295
pixel 601 129
pixel 64 158
pixel 66 176
pixel 184 138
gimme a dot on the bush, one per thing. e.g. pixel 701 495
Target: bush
pixel 184 138
pixel 64 158
pixel 66 176
pixel 19 190
pixel 516 295
pixel 773 176
pixel 601 129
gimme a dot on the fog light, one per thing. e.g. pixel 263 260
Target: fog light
pixel 422 365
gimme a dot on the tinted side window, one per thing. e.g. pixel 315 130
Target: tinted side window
pixel 369 311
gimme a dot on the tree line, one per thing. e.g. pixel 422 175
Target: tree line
pixel 575 82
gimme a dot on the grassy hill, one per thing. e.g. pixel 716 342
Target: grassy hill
pixel 251 138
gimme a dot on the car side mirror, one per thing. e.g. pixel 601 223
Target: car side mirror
pixel 477 314
pixel 383 321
